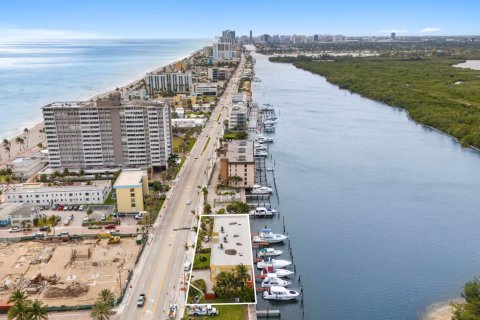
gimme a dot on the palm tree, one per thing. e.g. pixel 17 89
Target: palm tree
pixel 172 160
pixel 6 146
pixel 37 311
pixel 101 311
pixel 19 311
pixel 17 296
pixel 27 132
pixel 20 141
pixel 242 273
pixel 106 296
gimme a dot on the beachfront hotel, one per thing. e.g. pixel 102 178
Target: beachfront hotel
pixel 108 133
pixel 177 82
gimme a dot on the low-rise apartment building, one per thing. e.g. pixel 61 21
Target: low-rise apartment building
pixel 130 188
pixel 95 192
pixel 237 166
pixel 24 215
pixel 217 74
pixel 237 117
pixel 26 166
pixel 188 122
pixel 206 89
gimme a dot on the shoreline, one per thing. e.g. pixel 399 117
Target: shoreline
pixel 441 310
pixel 36 126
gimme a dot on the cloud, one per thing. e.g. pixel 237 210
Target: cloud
pixel 392 30
pixel 13 34
pixel 429 29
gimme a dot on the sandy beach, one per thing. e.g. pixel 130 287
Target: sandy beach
pixel 35 135
pixel 441 310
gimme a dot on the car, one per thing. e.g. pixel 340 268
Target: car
pixel 187 266
pixel 14 229
pixel 59 218
pixel 81 208
pixel 110 226
pixel 60 207
pixel 46 207
pixel 54 207
pixel 66 222
pixel 206 239
pixel 189 201
pixel 70 208
pixel 75 207
pixel 104 217
pixel 44 228
pixel 196 157
pixel 141 300
pixel 115 231
pixel 64 233
pixel 39 235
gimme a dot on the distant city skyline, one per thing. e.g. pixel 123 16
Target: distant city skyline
pixel 58 19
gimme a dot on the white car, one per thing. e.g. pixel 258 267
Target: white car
pixel 189 201
pixel 14 229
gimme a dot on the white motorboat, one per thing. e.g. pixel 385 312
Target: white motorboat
pixel 272 117
pixel 269 261
pixel 281 273
pixel 263 212
pixel 260 147
pixel 267 107
pixel 261 139
pixel 273 280
pixel 257 189
pixel 269 252
pixel 255 79
pixel 280 293
pixel 267 236
pixel 269 122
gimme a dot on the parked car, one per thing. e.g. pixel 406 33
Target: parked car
pixel 14 229
pixel 60 207
pixel 64 233
pixel 115 231
pixel 104 217
pixel 70 207
pixel 44 228
pixel 81 208
pixel 141 300
pixel 189 201
pixel 54 207
pixel 66 222
pixel 110 226
pixel 75 207
pixel 39 235
pixel 59 218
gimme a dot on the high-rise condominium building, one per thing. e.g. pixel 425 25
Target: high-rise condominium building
pixel 108 133
pixel 222 51
pixel 177 82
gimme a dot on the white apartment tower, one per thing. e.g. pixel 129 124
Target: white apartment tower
pixel 177 82
pixel 107 133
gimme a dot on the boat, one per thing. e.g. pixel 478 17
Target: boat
pixel 267 236
pixel 269 252
pixel 263 212
pixel 273 280
pixel 261 147
pixel 269 261
pixel 269 122
pixel 281 273
pixel 272 117
pixel 280 293
pixel 260 154
pixel 267 107
pixel 255 79
pixel 257 189
pixel 172 312
pixel 261 139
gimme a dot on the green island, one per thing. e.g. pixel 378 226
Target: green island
pixel 430 88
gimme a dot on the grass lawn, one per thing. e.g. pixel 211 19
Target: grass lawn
pixel 177 144
pixel 110 201
pixel 197 264
pixel 227 312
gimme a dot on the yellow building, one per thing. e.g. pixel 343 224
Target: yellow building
pixel 231 245
pixel 130 188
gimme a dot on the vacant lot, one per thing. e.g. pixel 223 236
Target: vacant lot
pixel 71 273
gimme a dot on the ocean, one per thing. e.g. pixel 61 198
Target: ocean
pixel 35 74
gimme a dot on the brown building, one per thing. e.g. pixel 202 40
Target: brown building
pixel 237 166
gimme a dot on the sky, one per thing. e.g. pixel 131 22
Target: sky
pixel 86 19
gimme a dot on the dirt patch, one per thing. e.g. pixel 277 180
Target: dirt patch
pixel 72 290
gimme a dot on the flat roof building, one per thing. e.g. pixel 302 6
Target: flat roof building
pixel 237 166
pixel 108 133
pixel 130 188
pixel 231 245
pixel 43 194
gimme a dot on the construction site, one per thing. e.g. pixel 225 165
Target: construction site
pixel 67 273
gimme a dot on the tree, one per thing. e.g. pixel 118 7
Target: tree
pixel 156 186
pixel 37 311
pixel 19 311
pixel 20 141
pixel 101 311
pixel 27 133
pixel 471 309
pixel 81 172
pixel 172 160
pixel 238 207
pixel 6 146
pixel 106 296
pixel 205 193
pixel 242 273
pixel 17 296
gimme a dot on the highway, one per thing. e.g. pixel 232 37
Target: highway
pixel 160 269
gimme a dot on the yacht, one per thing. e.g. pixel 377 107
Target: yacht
pixel 280 293
pixel 267 107
pixel 267 236
pixel 272 117
pixel 261 139
pixel 260 147
pixel 263 212
pixel 281 273
pixel 269 252
pixel 260 154
pixel 269 122
pixel 257 189
pixel 273 280
pixel 269 261
pixel 255 79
